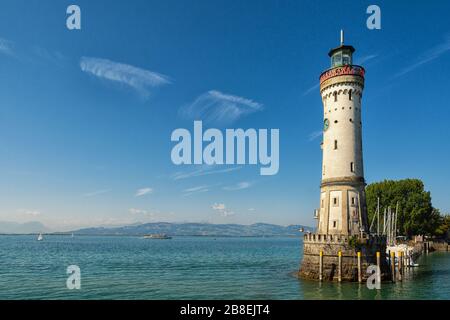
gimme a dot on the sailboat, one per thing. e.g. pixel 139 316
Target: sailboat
pixel 40 237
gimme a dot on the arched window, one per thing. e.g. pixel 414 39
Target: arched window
pixel 335 96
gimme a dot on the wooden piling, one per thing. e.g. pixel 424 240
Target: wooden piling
pixel 389 258
pixel 339 266
pixel 379 267
pixel 320 265
pixel 392 259
pixel 400 265
pixel 359 267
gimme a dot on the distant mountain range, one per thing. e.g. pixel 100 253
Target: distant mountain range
pixel 173 229
pixel 198 229
pixel 22 228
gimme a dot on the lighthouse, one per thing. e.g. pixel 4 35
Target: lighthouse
pixel 342 198
pixel 342 248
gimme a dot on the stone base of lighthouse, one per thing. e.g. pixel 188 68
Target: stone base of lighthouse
pixel 331 245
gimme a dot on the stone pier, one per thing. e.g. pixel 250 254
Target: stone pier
pixel 331 245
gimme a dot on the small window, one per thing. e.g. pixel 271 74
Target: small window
pixel 353 201
pixel 345 59
pixel 322 204
pixel 334 224
pixel 352 167
pixel 335 96
pixel 350 95
pixel 335 121
pixel 336 60
pixel 335 145
pixel 335 202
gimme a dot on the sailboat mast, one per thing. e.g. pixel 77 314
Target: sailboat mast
pixel 378 216
pixel 395 228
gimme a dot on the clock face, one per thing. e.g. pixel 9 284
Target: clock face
pixel 326 124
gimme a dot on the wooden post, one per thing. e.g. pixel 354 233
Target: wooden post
pixel 400 265
pixel 403 263
pixel 360 216
pixel 359 267
pixel 393 265
pixel 339 266
pixel 379 266
pixel 389 258
pixel 320 265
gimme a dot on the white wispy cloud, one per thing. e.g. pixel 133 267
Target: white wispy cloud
pixel 251 209
pixel 139 79
pixel 193 190
pixel 364 59
pixel 215 107
pixel 143 191
pixel 428 56
pixel 222 209
pixel 33 213
pixel 202 171
pixel 314 135
pixel 6 47
pixel 239 186
pixel 311 89
pixel 141 212
pixel 54 57
pixel 137 211
pixel 218 206
pixel 96 193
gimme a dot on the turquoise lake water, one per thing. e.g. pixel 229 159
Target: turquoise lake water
pixel 188 268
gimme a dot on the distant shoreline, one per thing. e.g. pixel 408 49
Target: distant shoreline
pixel 174 229
pixel 141 235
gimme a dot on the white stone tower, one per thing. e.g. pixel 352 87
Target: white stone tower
pixel 342 200
pixel 342 248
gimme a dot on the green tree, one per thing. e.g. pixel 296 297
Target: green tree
pixel 443 229
pixel 416 214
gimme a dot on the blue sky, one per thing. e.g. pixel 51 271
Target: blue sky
pixel 86 116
